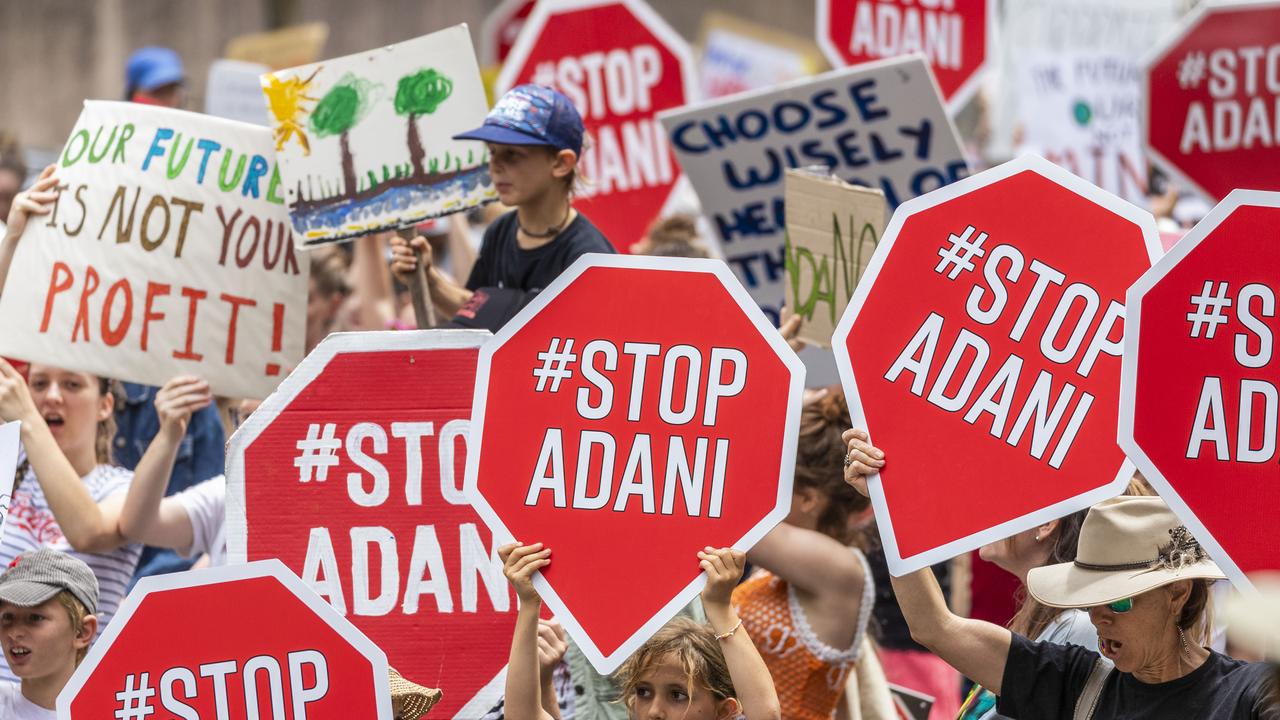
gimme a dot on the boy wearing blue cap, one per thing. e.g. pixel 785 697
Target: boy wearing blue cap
pixel 47 601
pixel 534 138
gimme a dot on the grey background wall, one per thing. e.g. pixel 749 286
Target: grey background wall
pixel 56 53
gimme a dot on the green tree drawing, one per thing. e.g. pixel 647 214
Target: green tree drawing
pixel 341 108
pixel 420 94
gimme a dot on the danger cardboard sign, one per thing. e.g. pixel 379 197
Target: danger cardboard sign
pixel 628 437
pixel 982 352
pixel 1211 98
pixel 365 445
pixel 1202 428
pixel 242 641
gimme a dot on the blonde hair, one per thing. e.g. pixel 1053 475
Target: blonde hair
pixel 77 612
pixel 696 649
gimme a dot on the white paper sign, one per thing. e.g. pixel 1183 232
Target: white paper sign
pixel 365 141
pixel 233 91
pixel 168 252
pixel 878 124
pixel 1072 85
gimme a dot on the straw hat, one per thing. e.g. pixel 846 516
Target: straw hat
pixel 1253 619
pixel 1128 546
pixel 409 700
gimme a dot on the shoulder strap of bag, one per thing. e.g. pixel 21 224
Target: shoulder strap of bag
pixel 1088 700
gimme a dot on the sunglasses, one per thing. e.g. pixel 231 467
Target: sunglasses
pixel 1121 606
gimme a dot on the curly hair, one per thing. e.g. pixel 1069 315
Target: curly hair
pixel 694 646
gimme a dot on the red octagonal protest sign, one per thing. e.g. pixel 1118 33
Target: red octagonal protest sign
pixel 629 436
pixel 981 351
pixel 243 641
pixel 1211 98
pixel 1199 407
pixel 620 64
pixel 953 35
pixel 351 473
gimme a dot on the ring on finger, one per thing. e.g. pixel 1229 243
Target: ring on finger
pixel 848 457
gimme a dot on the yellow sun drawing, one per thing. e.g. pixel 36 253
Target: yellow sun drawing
pixel 286 98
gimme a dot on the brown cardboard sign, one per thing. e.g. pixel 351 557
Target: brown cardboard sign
pixel 832 231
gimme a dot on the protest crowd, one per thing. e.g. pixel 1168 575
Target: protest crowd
pixel 281 429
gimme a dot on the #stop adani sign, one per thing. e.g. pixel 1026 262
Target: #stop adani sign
pixel 351 473
pixel 1200 402
pixel 620 64
pixel 243 641
pixel 627 438
pixel 981 351
pixel 1211 98
pixel 953 36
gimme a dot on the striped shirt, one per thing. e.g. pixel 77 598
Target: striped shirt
pixel 31 525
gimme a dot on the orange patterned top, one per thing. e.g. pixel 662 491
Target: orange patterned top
pixel 809 675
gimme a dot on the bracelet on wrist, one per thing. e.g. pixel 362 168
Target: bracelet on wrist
pixel 730 632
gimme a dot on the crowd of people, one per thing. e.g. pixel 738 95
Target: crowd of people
pixel 1116 619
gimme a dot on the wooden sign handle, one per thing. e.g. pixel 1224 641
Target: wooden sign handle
pixel 423 312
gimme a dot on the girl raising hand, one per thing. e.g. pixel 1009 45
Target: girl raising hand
pixel 686 670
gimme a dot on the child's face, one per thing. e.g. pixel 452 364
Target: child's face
pixel 38 641
pixel 522 173
pixel 663 693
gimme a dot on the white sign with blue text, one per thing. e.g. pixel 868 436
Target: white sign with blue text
pixel 878 124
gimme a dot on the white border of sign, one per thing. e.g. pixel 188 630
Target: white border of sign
pixel 218 575
pixel 606 664
pixel 656 24
pixel 1129 371
pixel 899 565
pixel 964 93
pixel 496 18
pixel 1156 54
pixel 302 376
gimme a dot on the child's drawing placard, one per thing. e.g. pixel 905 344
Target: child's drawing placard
pixel 167 252
pixel 365 141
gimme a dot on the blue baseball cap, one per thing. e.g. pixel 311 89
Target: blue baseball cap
pixel 152 67
pixel 531 115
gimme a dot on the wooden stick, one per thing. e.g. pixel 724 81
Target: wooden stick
pixel 423 312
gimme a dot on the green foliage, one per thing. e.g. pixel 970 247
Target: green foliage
pixel 422 92
pixel 346 104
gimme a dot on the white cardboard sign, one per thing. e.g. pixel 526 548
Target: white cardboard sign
pixel 880 124
pixel 168 252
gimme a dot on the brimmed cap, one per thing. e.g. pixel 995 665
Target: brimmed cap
pixel 409 700
pixel 1253 618
pixel 531 115
pixel 1128 546
pixel 151 67
pixel 37 575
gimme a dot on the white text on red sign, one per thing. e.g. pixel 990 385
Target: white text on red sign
pixel 1259 401
pixel 694 467
pixel 889 29
pixel 610 86
pixel 366 444
pixel 307 683
pixel 1240 115
pixel 1047 409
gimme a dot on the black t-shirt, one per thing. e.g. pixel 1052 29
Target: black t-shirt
pixel 504 264
pixel 1043 680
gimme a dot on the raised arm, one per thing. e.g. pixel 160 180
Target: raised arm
pixel 523 700
pixel 87 525
pixel 371 289
pixel 750 676
pixel 37 200
pixel 810 561
pixel 146 517
pixel 977 649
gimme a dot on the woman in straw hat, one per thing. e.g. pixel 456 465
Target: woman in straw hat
pixel 1144 581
